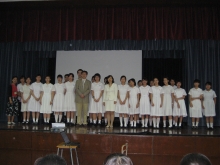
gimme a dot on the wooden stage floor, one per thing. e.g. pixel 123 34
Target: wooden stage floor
pixel 23 144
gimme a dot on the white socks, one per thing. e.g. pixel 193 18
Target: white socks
pixel 146 121
pixel 56 117
pixel 60 118
pixel 121 121
pixel 164 123
pixel 134 123
pixel 142 122
pixel 180 124
pixel 94 121
pixel 150 121
pixel 155 122
pixel 193 124
pixel 131 123
pixel 90 120
pixel 48 119
pixel 68 120
pixel 34 120
pixel 158 122
pixel 170 122
pixel 197 124
pixel 211 125
pixel 99 121
pixel 125 122
pixel 106 120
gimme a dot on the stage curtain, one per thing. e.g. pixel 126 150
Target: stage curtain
pixel 16 62
pixel 109 23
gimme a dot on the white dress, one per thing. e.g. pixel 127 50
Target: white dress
pixel 209 102
pixel 167 100
pixel 34 105
pixel 69 99
pixel 109 96
pixel 122 89
pixel 58 101
pixel 156 110
pixel 174 87
pixel 196 110
pixel 25 90
pixel 145 100
pixel 19 87
pixel 46 107
pixel 96 107
pixel 133 100
pixel 179 92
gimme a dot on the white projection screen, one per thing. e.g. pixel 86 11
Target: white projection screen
pixel 116 63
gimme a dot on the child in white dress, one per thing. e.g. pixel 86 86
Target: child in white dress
pixel 179 107
pixel 122 103
pixel 96 102
pixel 195 106
pixel 209 101
pixel 69 99
pixel 58 101
pixel 156 97
pixel 25 97
pixel 150 118
pixel 172 83
pixel 144 102
pixel 34 103
pixel 167 102
pixel 90 98
pixel 47 95
pixel 134 102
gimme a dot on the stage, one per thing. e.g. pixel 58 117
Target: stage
pixel 23 144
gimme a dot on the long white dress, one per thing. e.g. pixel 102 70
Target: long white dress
pixel 156 110
pixel 46 107
pixel 133 100
pixel 69 99
pixel 145 100
pixel 167 100
pixel 25 90
pixel 58 101
pixel 209 102
pixel 179 92
pixel 196 110
pixel 96 107
pixel 123 90
pixel 34 105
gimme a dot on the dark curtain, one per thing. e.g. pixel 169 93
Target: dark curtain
pixel 201 59
pixel 103 23
pixel 16 62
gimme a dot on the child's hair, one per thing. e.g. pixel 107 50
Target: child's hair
pixel 60 76
pixel 166 77
pixel 144 78
pixel 132 79
pixel 208 83
pixel 196 81
pixel 123 77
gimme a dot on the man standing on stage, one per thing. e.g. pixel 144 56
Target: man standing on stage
pixel 83 87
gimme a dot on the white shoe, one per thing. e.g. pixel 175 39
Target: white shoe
pixel 164 126
pixel 13 123
pixel 170 126
pixel 158 126
pixel 121 125
pixel 9 123
pixel 146 126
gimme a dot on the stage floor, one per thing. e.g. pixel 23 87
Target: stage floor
pixel 185 131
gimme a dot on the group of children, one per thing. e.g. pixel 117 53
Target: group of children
pixel 149 103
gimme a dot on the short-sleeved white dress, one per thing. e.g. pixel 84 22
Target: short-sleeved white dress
pixel 96 107
pixel 178 93
pixel 69 99
pixel 58 101
pixel 196 110
pixel 209 102
pixel 25 90
pixel 47 90
pixel 156 110
pixel 133 92
pixel 34 105
pixel 123 90
pixel 145 100
pixel 167 100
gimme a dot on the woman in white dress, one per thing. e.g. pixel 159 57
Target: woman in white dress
pixel 90 98
pixel 195 106
pixel 96 103
pixel 58 101
pixel 144 102
pixel 34 102
pixel 69 99
pixel 47 95
pixel 208 104
pixel 110 100
pixel 133 102
pixel 122 103
pixel 25 97
pixel 156 97
pixel 167 102
pixel 179 107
